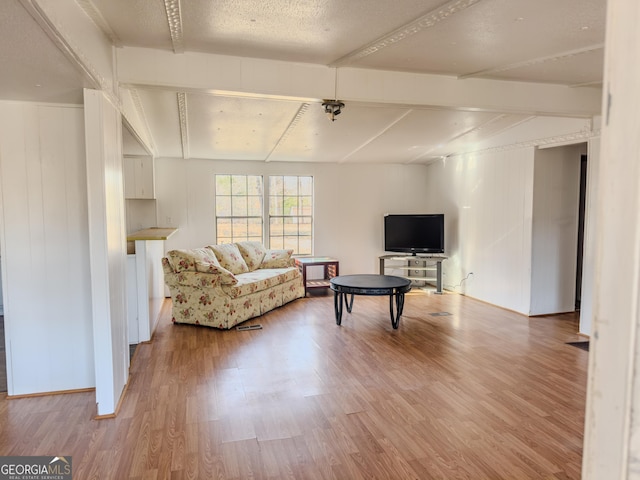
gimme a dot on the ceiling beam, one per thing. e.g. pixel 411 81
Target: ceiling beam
pixel 261 78
pixel 94 14
pixel 133 111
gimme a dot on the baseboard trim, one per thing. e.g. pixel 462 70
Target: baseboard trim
pixel 120 400
pixel 46 394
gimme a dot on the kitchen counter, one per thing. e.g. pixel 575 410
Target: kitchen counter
pixel 153 233
pixel 145 284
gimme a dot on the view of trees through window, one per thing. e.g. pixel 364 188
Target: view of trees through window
pixel 290 213
pixel 239 211
pixel 239 208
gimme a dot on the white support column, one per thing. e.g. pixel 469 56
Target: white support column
pixel 107 239
pixel 612 431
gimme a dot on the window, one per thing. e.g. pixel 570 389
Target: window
pixel 291 213
pixel 239 201
pixel 240 206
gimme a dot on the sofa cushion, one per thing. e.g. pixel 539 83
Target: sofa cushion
pixel 226 277
pixel 185 260
pixel 259 280
pixel 253 253
pixel 277 259
pixel 230 257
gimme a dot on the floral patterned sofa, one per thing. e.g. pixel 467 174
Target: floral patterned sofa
pixel 223 285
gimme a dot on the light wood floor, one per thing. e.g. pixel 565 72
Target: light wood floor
pixel 482 393
pixel 3 358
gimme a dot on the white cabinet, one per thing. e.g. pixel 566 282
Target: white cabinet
pixel 138 177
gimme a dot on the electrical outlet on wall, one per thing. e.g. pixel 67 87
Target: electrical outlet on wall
pixel 168 221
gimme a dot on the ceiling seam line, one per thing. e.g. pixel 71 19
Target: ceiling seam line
pixel 409 29
pixel 184 125
pixel 292 124
pixel 376 136
pixel 534 61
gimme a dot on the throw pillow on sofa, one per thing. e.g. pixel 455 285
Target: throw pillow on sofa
pixel 185 260
pixel 277 259
pixel 230 257
pixel 226 277
pixel 253 253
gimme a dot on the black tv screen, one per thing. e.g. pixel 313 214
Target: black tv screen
pixel 419 233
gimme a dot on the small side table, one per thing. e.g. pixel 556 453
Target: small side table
pixel 331 269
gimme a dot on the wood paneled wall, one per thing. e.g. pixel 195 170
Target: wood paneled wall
pixel 45 248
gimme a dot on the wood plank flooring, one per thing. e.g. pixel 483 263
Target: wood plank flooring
pixel 3 358
pixel 481 393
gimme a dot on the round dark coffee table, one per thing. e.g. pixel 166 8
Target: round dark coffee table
pixel 366 284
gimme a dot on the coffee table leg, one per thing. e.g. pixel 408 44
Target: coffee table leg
pixel 349 303
pixel 395 319
pixel 337 304
pixel 400 304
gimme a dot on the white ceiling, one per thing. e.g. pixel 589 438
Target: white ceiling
pixel 541 41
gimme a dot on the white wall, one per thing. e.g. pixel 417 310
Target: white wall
pixel 487 198
pixel 45 248
pixel 487 202
pixel 105 192
pixel 556 195
pixel 350 201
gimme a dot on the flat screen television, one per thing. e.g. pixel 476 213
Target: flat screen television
pixel 417 233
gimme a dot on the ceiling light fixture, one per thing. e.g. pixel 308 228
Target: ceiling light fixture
pixel 333 107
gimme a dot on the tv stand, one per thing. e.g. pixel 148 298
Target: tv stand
pixel 420 269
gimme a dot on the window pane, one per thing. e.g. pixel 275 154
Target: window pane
pixel 275 205
pixel 238 185
pixel 291 185
pixel 304 228
pixel 223 206
pixel 305 206
pixel 239 206
pixel 254 206
pixel 306 186
pixel 276 185
pixel 276 242
pixel 291 242
pixel 254 185
pixel 223 229
pixel 304 246
pixel 276 226
pixel 223 184
pixel 239 228
pixel 290 205
pixel 290 226
pixel 255 227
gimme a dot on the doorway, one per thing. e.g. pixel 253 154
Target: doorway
pixel 3 352
pixel 581 218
